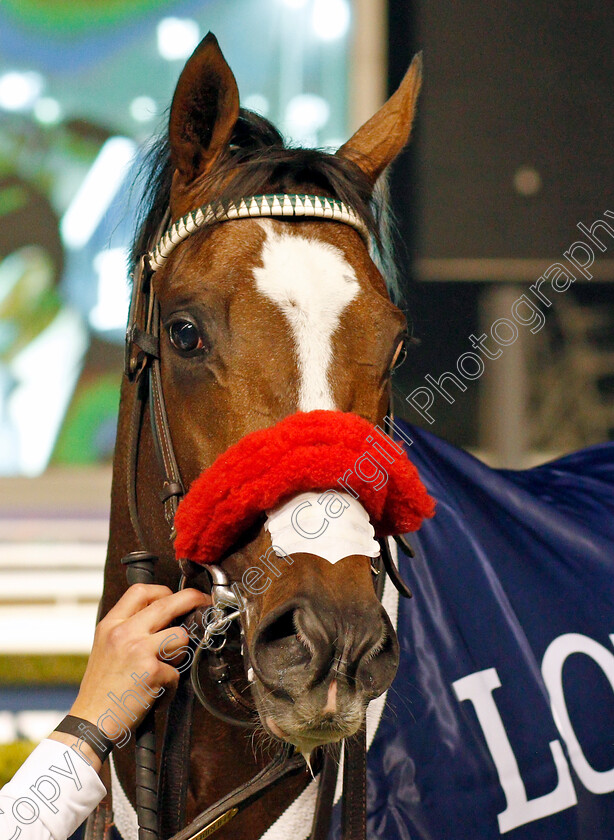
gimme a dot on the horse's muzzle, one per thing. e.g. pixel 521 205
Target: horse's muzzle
pixel 318 658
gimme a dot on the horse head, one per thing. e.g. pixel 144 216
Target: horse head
pixel 262 318
pixel 274 348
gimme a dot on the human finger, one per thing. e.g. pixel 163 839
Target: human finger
pixel 166 643
pixel 162 612
pixel 137 597
pixel 168 676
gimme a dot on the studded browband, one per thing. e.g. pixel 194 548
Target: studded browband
pixel 255 207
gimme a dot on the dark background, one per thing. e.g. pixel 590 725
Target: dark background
pixel 505 85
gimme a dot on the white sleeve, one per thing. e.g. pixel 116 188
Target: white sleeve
pixel 51 794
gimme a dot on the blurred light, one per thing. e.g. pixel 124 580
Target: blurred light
pixel 111 310
pixel 19 91
pixel 47 370
pixel 295 4
pixel 305 115
pixel 333 143
pixel 527 180
pixel 330 19
pixel 177 37
pixel 97 191
pixel 143 109
pixel 8 730
pixel 258 103
pixel 34 726
pixel 47 110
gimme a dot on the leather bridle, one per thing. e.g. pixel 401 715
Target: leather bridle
pixel 219 695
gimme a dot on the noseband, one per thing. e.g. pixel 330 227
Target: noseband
pixel 143 371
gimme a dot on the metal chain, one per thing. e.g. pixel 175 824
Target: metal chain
pixel 216 625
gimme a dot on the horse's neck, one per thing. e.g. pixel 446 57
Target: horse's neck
pixel 222 756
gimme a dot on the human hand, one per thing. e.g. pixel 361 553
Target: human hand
pixel 124 674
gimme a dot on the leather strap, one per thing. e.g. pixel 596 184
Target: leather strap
pixel 140 569
pixel 148 343
pixel 143 370
pixel 89 732
pixel 391 569
pixel 404 543
pixel 139 399
pixel 326 794
pixel 174 771
pixel 99 824
pixel 147 779
pixel 282 767
pixel 172 485
pixel 354 806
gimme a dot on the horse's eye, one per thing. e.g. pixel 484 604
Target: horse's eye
pixel 400 354
pixel 185 336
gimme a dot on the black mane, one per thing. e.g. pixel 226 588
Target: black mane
pixel 259 162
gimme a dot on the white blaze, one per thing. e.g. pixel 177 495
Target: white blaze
pixel 312 283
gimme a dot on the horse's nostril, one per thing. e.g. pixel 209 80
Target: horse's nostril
pixel 278 649
pixel 281 628
pixel 296 648
pixel 377 666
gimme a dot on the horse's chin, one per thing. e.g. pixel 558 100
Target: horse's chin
pixel 307 739
pixel 300 724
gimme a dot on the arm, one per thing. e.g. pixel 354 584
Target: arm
pixel 59 785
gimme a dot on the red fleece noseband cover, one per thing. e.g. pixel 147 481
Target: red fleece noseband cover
pixel 303 452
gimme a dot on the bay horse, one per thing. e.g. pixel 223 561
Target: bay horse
pixel 283 313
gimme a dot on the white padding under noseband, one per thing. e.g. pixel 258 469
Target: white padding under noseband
pixel 330 524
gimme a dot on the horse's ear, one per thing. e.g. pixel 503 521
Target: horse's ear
pixel 204 111
pixel 380 139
